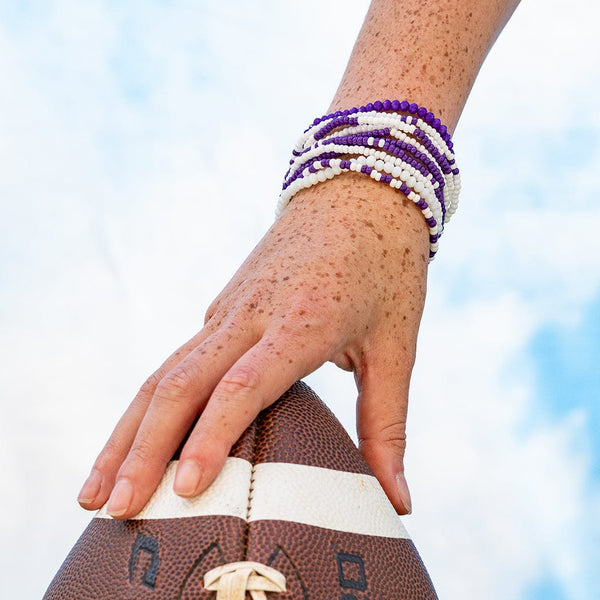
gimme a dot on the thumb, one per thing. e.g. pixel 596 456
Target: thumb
pixel 381 423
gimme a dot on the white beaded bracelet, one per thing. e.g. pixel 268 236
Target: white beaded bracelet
pixel 408 149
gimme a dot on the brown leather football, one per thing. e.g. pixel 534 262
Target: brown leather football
pixel 295 514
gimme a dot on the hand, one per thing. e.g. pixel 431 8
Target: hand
pixel 340 277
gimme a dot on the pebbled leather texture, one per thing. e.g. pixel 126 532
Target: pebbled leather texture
pixel 314 512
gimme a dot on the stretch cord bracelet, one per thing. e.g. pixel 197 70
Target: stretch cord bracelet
pixel 400 144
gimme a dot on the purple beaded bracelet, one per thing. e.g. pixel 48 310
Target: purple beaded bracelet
pixel 401 144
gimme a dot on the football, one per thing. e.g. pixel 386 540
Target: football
pixel 295 514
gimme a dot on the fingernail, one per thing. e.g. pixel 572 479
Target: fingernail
pixel 90 488
pixel 120 499
pixel 404 493
pixel 188 478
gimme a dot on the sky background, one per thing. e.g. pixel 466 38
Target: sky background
pixel 120 221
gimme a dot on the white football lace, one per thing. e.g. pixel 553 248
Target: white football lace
pixel 233 581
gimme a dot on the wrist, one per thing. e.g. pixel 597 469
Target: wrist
pixel 396 143
pixel 364 206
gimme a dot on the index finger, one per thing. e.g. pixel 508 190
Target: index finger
pixel 254 382
pixel 176 402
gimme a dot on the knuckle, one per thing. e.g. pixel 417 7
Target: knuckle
pixel 106 458
pixel 175 383
pixel 113 451
pixel 239 382
pixel 251 306
pixel 249 287
pixel 307 316
pixel 390 436
pixel 149 386
pixel 304 307
pixel 212 310
pixel 111 448
pixel 239 324
pixel 396 440
pixel 393 431
pixel 141 452
pixel 234 322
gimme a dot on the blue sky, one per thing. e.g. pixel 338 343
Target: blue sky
pixel 120 221
pixel 567 374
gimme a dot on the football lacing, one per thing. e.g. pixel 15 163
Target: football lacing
pixel 234 580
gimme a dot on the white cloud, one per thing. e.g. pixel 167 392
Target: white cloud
pixel 495 485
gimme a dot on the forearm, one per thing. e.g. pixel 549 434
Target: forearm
pixel 339 277
pixel 425 52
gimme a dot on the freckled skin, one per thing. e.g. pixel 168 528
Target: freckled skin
pixel 340 277
pixel 437 49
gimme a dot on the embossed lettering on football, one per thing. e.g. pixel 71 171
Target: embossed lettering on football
pixel 295 514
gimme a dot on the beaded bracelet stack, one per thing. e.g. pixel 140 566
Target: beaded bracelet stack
pixel 400 144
